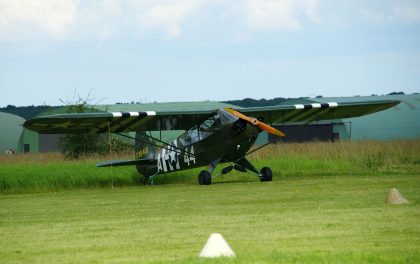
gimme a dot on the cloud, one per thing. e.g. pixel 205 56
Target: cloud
pixel 107 18
pixel 27 17
pixel 271 15
pixel 375 16
pixel 395 11
pixel 168 16
pixel 104 19
pixel 21 19
pixel 407 10
pixel 172 19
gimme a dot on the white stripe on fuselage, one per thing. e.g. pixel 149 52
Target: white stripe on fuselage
pixel 169 158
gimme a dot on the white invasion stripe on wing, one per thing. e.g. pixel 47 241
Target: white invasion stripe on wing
pixel 116 114
pixel 151 113
pixel 332 104
pixel 134 113
pixel 299 106
pixel 316 105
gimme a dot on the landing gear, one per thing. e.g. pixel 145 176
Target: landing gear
pixel 266 174
pixel 242 165
pixel 148 180
pixel 204 178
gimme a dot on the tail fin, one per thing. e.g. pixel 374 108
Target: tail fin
pixel 144 148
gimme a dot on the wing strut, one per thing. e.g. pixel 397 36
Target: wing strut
pixel 260 147
pixel 110 154
pixel 168 146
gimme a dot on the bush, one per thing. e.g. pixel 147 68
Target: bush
pixel 76 145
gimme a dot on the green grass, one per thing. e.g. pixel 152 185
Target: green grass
pixel 51 172
pixel 295 219
pixel 21 178
pixel 326 204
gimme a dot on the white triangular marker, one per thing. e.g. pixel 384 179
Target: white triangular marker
pixel 395 197
pixel 216 246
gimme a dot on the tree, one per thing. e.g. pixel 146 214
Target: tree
pixel 76 145
pixel 84 144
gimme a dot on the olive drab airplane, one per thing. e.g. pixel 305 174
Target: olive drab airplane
pixel 211 137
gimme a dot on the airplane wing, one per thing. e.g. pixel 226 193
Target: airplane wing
pixel 317 111
pixel 117 122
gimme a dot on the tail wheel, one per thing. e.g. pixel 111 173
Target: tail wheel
pixel 204 178
pixel 266 174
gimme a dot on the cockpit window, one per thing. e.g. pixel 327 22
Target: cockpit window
pixel 226 118
pixel 205 129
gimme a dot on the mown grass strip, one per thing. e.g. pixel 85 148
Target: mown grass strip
pixel 306 219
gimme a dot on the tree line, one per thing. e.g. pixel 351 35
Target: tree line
pixel 28 112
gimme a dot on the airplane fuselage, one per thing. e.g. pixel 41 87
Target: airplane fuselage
pixel 224 144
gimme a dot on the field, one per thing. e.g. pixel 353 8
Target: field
pixel 325 204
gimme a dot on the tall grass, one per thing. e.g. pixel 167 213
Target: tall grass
pixel 52 171
pixel 354 156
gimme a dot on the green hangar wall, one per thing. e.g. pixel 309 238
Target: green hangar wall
pixel 399 122
pixel 10 132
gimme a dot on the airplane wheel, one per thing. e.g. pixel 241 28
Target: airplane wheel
pixel 204 178
pixel 266 174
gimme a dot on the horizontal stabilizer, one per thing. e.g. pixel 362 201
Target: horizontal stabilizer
pixel 116 163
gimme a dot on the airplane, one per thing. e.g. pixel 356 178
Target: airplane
pixel 211 137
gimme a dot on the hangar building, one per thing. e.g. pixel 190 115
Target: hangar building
pixel 10 133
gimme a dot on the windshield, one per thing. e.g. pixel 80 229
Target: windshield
pixel 204 130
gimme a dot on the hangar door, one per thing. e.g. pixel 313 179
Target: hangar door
pixel 304 133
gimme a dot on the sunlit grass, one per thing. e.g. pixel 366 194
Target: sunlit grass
pixel 305 219
pixel 325 205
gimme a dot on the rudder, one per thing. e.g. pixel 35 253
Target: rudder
pixel 144 149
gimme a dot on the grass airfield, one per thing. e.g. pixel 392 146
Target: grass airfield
pixel 304 219
pixel 308 214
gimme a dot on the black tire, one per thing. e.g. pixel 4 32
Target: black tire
pixel 266 174
pixel 204 178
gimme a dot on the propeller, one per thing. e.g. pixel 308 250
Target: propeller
pixel 256 122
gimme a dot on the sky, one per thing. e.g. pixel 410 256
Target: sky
pixel 196 50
